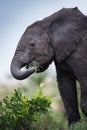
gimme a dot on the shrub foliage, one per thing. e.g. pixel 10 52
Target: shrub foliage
pixel 19 113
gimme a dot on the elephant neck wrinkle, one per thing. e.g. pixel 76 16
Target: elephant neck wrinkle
pixel 50 43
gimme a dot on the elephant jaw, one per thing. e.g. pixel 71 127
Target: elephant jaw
pixel 18 73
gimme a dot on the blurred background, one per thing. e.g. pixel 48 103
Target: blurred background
pixel 15 16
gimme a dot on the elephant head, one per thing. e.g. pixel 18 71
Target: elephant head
pixel 53 38
pixel 34 45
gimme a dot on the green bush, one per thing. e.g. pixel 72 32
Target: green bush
pixel 82 125
pixel 51 121
pixel 19 113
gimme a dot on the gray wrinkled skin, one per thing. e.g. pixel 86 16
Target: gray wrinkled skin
pixel 62 38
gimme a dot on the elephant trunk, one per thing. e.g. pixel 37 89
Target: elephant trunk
pixel 16 71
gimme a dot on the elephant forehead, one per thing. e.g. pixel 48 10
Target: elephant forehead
pixel 34 38
pixel 37 37
pixel 34 30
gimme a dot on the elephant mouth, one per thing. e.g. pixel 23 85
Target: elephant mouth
pixel 39 67
pixel 33 64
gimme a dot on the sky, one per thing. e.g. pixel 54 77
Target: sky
pixel 16 15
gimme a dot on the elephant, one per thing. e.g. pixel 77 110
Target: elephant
pixel 60 38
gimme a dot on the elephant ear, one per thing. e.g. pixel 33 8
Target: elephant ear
pixel 64 49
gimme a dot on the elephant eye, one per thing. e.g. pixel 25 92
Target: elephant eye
pixel 32 44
